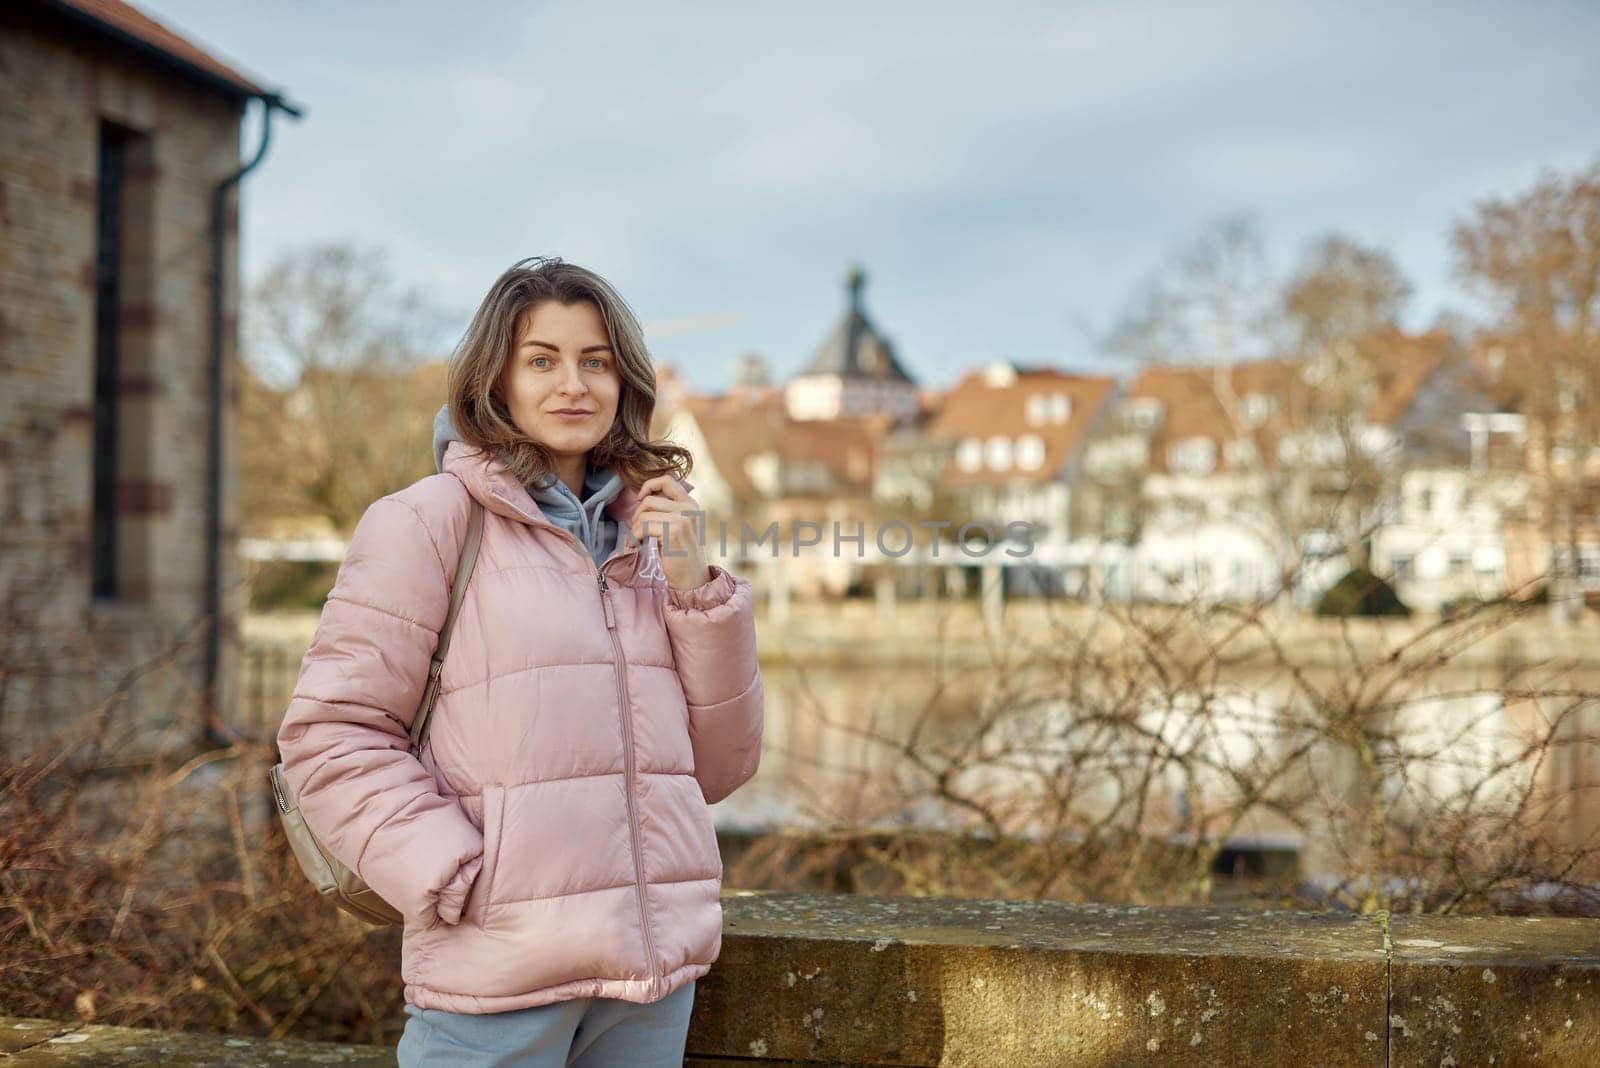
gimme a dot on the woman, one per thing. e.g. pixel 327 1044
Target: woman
pixel 550 847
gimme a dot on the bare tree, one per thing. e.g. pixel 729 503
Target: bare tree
pixel 350 421
pixel 1212 307
pixel 1535 256
pixel 1215 301
pixel 1344 291
pixel 1288 374
pixel 1343 309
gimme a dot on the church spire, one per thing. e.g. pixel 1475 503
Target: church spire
pixel 855 281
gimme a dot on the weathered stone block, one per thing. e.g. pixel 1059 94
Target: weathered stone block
pixel 1521 990
pixel 918 981
pixel 43 1043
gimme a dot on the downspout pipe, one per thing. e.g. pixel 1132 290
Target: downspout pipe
pixel 213 733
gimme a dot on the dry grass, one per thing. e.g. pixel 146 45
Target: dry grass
pixel 168 898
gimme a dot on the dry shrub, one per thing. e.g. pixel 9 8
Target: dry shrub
pixel 1113 752
pixel 167 897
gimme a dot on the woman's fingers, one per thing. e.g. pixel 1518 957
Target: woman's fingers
pixel 662 512
pixel 657 503
pixel 656 519
pixel 646 522
pixel 673 526
pixel 663 493
pixel 664 485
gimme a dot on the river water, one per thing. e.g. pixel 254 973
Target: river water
pixel 1459 741
pixel 1149 750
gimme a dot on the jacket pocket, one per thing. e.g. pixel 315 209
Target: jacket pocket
pixel 710 825
pixel 482 896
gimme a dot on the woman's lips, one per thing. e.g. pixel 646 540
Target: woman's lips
pixel 574 416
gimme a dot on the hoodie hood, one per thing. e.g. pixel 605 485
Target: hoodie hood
pixel 585 518
pixel 444 432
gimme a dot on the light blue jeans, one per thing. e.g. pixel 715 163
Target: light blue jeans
pixel 584 1032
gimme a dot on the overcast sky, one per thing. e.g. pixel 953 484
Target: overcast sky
pixel 1006 173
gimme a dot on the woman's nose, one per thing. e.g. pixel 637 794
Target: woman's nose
pixel 571 380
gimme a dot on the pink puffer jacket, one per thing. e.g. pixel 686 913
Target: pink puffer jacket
pixel 553 841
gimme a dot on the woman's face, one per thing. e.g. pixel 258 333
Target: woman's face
pixel 562 362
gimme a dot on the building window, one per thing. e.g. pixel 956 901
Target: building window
pixel 1241 452
pixel 806 477
pixel 969 454
pixel 123 495
pixel 1049 408
pixel 1141 413
pixel 1402 568
pixel 999 453
pixel 107 373
pixel 1030 452
pixel 1192 456
pixel 1588 564
pixel 1258 407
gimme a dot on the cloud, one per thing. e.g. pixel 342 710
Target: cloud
pixel 1004 172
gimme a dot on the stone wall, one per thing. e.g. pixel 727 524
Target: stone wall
pixel 838 979
pixel 67 650
pixel 842 980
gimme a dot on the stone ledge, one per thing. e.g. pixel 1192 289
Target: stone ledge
pixel 927 982
pixel 1475 987
pixel 807 979
pixel 919 981
pixel 48 1042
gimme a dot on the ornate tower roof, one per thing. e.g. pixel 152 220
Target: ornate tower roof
pixel 854 348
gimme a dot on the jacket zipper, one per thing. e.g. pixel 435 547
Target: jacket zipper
pixel 630 773
pixel 629 770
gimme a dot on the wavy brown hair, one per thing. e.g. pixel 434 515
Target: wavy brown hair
pixel 479 412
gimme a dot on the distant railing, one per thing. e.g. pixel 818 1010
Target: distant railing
pixel 267 674
pixel 325 550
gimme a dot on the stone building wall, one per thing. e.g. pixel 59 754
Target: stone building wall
pixel 66 650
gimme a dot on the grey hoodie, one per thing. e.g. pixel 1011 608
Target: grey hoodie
pixel 585 520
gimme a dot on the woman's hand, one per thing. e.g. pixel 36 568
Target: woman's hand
pixel 663 514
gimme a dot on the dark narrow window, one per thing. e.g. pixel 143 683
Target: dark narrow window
pixel 107 366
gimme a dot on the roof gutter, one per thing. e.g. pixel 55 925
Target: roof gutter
pixel 213 731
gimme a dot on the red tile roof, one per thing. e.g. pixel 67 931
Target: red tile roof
pixel 975 409
pixel 742 424
pixel 1191 403
pixel 1405 363
pixel 128 22
pixel 1192 396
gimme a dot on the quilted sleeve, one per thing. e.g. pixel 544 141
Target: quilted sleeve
pixel 712 628
pixel 344 739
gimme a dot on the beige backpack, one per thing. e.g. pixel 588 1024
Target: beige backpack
pixel 331 878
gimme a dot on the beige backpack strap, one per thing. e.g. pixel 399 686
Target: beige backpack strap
pixel 458 591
